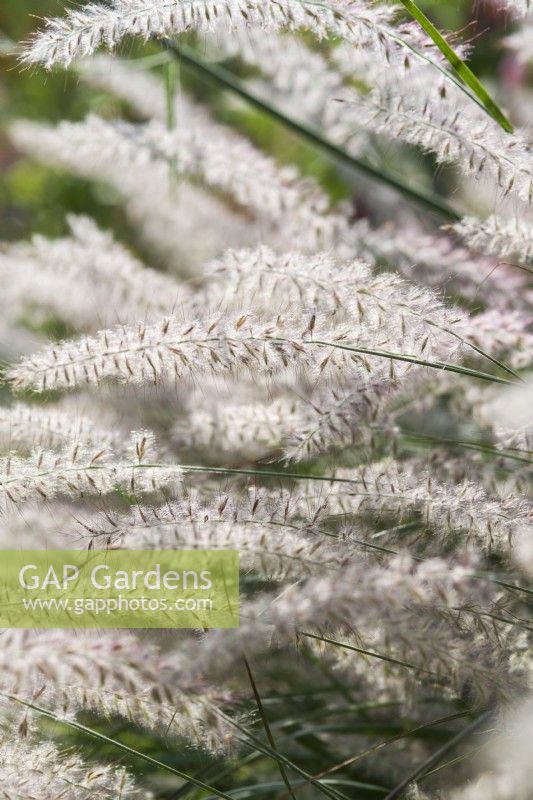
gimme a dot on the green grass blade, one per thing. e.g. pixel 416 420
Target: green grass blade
pixel 171 72
pixel 348 762
pixel 266 726
pixel 460 68
pixel 124 747
pixel 256 743
pixel 380 656
pixel 256 790
pixel 457 368
pixel 477 446
pixel 437 757
pixel 228 81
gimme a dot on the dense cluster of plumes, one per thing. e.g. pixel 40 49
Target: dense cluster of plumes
pixel 31 769
pixel 336 390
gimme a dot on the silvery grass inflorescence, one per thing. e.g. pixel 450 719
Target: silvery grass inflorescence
pixel 27 427
pixel 79 470
pixel 359 346
pixel 30 769
pixel 476 144
pixel 462 508
pixel 163 218
pixel 412 606
pixel 308 375
pixel 206 151
pixel 105 283
pixel 507 238
pixel 518 7
pixel 82 32
pixel 114 675
pixel 270 529
pixel 298 425
pixel 506 766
